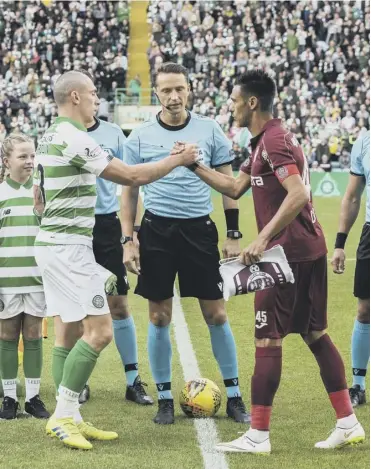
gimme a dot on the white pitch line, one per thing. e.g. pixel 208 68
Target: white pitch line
pixel 207 433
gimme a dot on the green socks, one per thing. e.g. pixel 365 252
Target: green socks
pixel 8 359
pixel 78 366
pixel 59 356
pixel 32 358
pixel 9 367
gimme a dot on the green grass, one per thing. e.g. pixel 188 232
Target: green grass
pixel 302 414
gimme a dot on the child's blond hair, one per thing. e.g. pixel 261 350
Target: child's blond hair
pixel 6 150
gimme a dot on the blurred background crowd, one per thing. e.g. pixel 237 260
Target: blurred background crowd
pixel 317 50
pixel 41 40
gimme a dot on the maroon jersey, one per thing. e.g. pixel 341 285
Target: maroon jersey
pixel 276 155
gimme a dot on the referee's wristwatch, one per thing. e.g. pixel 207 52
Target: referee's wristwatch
pixel 126 239
pixel 234 234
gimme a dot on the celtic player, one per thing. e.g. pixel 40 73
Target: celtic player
pixel 22 300
pixel 68 161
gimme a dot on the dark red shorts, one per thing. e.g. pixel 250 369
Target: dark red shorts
pixel 298 307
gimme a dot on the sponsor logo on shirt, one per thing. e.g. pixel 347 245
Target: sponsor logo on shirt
pixel 89 153
pixel 257 181
pixel 5 211
pixel 109 151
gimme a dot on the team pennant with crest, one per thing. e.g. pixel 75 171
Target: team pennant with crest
pixel 272 270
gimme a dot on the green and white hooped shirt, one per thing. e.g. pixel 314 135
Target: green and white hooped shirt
pixel 67 163
pixel 19 226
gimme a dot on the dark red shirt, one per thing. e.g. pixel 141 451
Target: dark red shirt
pixel 276 154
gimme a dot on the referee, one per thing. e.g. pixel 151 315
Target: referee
pixel 108 251
pixel 177 236
pixel 359 180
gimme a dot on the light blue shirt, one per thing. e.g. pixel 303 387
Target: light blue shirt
pixel 111 138
pixel 180 194
pixel 360 164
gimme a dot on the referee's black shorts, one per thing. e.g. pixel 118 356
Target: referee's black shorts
pixel 362 274
pixel 187 247
pixel 108 249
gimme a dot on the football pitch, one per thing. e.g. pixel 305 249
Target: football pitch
pixel 302 414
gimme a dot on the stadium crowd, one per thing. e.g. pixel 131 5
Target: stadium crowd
pixel 41 40
pixel 322 75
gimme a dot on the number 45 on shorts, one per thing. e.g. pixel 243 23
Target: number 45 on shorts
pixel 261 319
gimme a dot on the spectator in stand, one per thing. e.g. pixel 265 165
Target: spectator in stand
pixel 38 43
pixel 316 167
pixel 318 52
pixel 135 88
pixel 325 164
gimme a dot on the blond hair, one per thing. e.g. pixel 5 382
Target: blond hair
pixel 7 148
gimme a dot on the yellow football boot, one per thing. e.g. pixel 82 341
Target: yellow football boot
pixel 89 432
pixel 67 432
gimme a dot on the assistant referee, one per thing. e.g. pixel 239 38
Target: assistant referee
pixel 108 251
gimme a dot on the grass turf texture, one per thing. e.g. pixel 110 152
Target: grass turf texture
pixel 302 414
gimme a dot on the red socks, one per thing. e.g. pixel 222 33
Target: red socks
pixel 267 375
pixel 333 375
pixel 264 385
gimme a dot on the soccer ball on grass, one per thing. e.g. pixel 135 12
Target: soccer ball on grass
pixel 200 398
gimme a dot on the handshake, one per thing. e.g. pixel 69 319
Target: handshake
pixel 187 153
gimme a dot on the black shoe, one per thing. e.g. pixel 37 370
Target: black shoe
pixel 236 410
pixel 9 408
pixel 136 393
pixel 165 414
pixel 36 408
pixel 84 394
pixel 357 395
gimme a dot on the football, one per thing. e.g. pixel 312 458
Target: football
pixel 200 398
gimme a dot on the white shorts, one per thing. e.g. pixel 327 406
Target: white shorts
pixel 73 281
pixel 17 303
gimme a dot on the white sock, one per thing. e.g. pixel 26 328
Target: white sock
pixel 67 403
pixel 10 388
pixel 32 388
pixel 347 422
pixel 257 435
pixel 77 416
